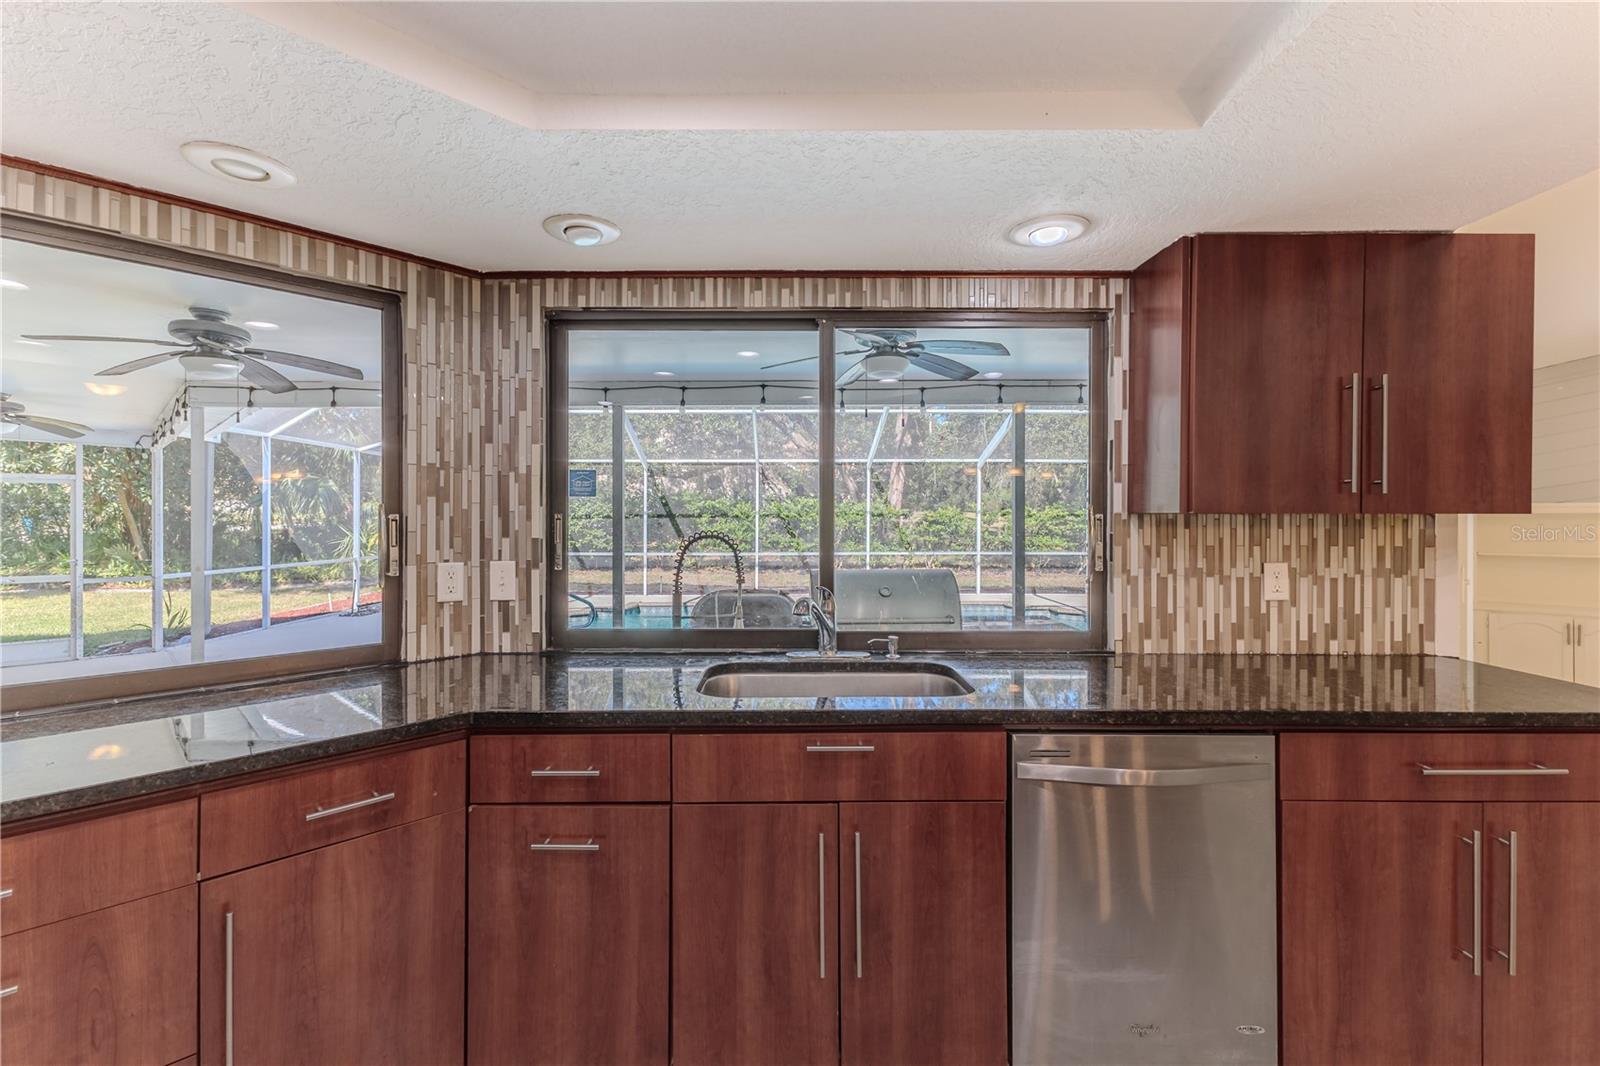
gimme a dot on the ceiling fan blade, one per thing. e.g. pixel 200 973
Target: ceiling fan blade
pixel 938 364
pixel 853 374
pixel 140 363
pixel 955 347
pixel 104 340
pixel 304 362
pixel 263 375
pixel 49 425
pixel 789 362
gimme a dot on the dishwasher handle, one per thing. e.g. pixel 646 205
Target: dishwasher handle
pixel 1116 775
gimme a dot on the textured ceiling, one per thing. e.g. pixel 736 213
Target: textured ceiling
pixel 1364 116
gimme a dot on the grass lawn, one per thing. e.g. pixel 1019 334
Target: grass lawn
pixel 117 614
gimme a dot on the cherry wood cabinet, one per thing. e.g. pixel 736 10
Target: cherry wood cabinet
pixel 1448 373
pixel 1377 920
pixel 755 966
pixel 350 953
pixel 114 986
pixel 1332 373
pixel 922 896
pixel 1549 1010
pixel 567 935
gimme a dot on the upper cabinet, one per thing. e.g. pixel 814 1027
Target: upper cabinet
pixel 1334 373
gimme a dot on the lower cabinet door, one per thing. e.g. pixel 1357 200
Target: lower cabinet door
pixel 352 953
pixel 922 890
pixel 112 986
pixel 567 935
pixel 1377 906
pixel 1548 1010
pixel 755 972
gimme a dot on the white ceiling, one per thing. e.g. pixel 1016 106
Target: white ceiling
pixel 72 292
pixel 764 135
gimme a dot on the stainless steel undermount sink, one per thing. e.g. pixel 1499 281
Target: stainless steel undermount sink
pixel 822 679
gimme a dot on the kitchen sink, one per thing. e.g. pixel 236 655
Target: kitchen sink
pixel 822 679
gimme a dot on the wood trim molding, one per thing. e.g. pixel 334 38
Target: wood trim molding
pixel 50 170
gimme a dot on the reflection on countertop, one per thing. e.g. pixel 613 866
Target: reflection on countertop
pixel 66 759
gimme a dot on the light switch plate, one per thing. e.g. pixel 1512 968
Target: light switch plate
pixel 1275 581
pixel 502 579
pixel 452 583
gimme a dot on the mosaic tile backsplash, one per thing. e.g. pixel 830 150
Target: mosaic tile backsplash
pixel 474 403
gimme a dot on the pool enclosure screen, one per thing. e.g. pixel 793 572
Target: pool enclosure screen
pixel 942 477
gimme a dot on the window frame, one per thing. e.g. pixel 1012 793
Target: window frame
pixel 117 684
pixel 558 323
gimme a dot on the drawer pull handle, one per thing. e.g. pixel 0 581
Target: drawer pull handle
pixel 5 893
pixel 1476 954
pixel 344 808
pixel 548 772
pixel 822 906
pixel 1510 841
pixel 9 991
pixel 548 845
pixel 840 747
pixel 227 988
pixel 1533 769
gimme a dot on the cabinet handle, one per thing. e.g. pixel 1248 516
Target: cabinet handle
pixel 1533 769
pixel 344 808
pixel 858 906
pixel 1580 634
pixel 227 988
pixel 1510 841
pixel 558 549
pixel 840 747
pixel 1476 954
pixel 1382 388
pixel 546 845
pixel 822 906
pixel 1354 480
pixel 548 772
pixel 5 893
pixel 9 990
pixel 1569 632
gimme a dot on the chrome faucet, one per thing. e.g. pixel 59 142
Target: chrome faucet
pixel 677 575
pixel 819 608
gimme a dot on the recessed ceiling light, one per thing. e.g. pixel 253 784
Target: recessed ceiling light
pixel 237 164
pixel 585 231
pixel 101 388
pixel 262 325
pixel 747 355
pixel 994 373
pixel 7 283
pixel 663 373
pixel 1048 232
pixel 808 397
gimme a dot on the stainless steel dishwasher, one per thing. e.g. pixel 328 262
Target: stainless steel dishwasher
pixel 1144 919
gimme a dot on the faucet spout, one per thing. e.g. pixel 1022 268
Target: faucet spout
pixel 819 607
pixel 677 575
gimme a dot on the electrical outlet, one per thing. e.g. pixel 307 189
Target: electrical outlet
pixel 1275 581
pixel 452 583
pixel 502 579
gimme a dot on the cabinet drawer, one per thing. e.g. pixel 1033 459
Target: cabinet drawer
pixel 1439 766
pixel 256 823
pixel 571 768
pixel 114 986
pixel 820 767
pixel 60 873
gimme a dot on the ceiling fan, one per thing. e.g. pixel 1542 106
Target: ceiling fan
pixel 13 413
pixel 888 353
pixel 208 341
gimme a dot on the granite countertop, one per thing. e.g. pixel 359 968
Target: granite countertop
pixel 66 759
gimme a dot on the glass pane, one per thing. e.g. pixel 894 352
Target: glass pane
pixel 175 505
pixel 35 529
pixel 715 434
pixel 116 617
pixel 35 622
pixel 235 502
pixel 313 501
pixel 938 429
pixel 116 515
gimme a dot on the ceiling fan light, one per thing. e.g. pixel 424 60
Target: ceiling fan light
pixel 208 366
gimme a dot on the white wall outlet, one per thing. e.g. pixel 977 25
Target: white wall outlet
pixel 502 579
pixel 452 583
pixel 1275 581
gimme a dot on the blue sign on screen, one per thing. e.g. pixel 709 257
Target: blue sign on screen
pixel 580 482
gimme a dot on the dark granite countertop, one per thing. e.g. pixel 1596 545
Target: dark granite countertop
pixel 66 759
